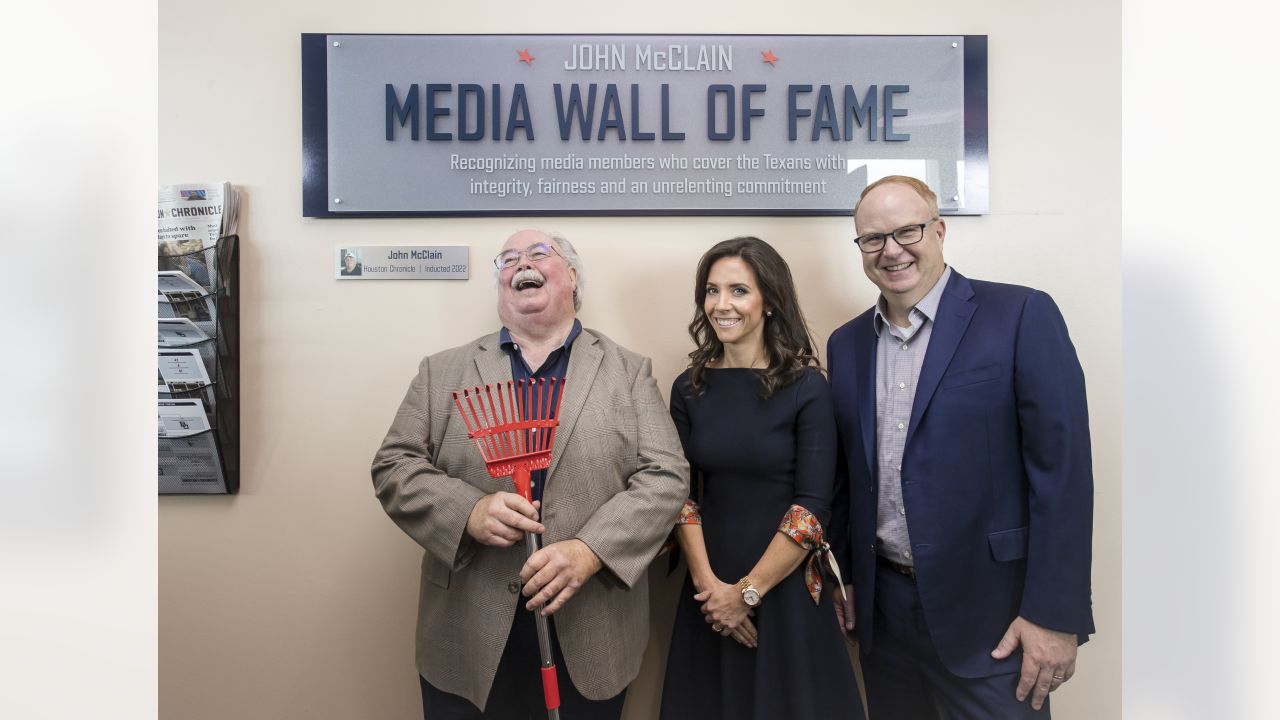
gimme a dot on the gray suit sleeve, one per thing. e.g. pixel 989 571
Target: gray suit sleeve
pixel 423 500
pixel 627 531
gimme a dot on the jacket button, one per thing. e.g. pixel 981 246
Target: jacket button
pixel 513 587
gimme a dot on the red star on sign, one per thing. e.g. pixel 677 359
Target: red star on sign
pixel 525 57
pixel 770 58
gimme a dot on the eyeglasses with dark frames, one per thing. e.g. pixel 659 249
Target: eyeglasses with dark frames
pixel 909 235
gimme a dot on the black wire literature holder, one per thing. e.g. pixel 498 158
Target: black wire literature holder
pixel 207 462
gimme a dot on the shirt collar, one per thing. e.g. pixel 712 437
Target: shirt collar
pixel 928 305
pixel 507 343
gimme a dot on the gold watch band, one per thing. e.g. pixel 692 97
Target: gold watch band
pixel 750 594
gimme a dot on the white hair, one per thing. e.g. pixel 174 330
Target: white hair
pixel 570 255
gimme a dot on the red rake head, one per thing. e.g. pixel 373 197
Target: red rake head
pixel 513 425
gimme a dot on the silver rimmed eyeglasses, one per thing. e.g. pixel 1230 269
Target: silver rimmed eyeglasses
pixel 536 252
pixel 908 235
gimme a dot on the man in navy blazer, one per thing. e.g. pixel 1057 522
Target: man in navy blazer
pixel 964 513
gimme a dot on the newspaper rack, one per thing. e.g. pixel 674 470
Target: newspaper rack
pixel 199 438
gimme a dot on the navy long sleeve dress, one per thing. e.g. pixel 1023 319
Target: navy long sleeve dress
pixel 751 460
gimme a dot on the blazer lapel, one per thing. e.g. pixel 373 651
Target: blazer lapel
pixel 493 365
pixel 954 312
pixel 584 362
pixel 865 344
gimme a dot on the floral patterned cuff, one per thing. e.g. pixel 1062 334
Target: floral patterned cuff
pixel 690 514
pixel 801 526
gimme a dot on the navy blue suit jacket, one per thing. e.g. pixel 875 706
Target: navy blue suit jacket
pixel 997 476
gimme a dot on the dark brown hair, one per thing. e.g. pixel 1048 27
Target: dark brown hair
pixel 787 339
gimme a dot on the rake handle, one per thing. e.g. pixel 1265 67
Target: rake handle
pixel 550 684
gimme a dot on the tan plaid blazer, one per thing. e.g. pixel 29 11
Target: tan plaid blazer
pixel 617 480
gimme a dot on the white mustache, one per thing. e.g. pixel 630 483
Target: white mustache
pixel 527 274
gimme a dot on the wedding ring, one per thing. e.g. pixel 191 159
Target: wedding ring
pixel 717 627
pixel 1059 677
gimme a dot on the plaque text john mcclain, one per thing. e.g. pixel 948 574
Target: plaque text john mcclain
pixel 675 58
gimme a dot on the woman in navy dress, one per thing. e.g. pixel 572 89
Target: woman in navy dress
pixel 755 636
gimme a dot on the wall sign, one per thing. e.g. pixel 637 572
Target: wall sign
pixel 402 262
pixel 421 125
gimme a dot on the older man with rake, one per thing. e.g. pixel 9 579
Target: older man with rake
pixel 615 483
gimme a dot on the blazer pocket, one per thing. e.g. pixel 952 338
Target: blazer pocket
pixel 1008 545
pixel 435 571
pixel 971 377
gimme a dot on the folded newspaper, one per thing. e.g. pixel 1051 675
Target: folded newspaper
pixel 193 216
pixel 181 370
pixel 178 332
pixel 187 452
pixel 181 297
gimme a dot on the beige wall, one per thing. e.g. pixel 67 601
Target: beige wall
pixel 297 598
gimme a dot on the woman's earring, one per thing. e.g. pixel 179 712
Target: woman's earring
pixel 768 313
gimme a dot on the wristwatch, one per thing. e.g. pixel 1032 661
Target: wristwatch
pixel 750 595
